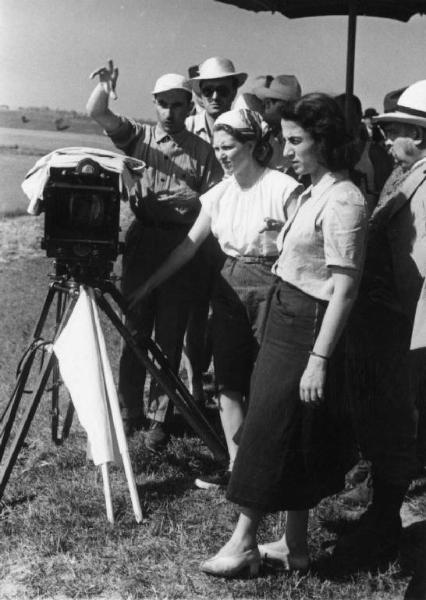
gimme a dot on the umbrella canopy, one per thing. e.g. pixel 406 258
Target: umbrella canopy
pixel 400 10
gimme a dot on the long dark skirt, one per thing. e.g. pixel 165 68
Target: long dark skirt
pixel 291 454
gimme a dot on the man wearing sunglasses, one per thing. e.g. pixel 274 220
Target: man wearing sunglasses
pixel 217 85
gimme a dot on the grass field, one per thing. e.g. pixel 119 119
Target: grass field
pixel 45 119
pixel 55 541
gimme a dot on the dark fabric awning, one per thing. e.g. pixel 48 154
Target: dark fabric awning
pixel 400 10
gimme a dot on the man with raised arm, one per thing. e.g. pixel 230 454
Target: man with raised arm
pixel 180 166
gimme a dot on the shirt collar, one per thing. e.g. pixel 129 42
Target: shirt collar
pixel 162 136
pixel 327 180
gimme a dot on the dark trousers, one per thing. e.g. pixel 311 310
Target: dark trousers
pixel 381 386
pixel 165 311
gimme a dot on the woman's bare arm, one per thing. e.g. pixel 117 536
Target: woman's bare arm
pixel 345 291
pixel 180 255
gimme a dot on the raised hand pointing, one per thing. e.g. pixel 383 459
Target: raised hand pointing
pixel 108 78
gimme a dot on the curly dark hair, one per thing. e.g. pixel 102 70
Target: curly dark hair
pixel 262 151
pixel 321 116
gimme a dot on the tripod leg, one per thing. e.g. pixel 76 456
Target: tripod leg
pixel 24 368
pixel 27 417
pixel 112 399
pixel 57 438
pixel 16 397
pixel 156 353
pixel 25 424
pixel 165 376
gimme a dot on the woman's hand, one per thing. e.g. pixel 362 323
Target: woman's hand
pixel 271 225
pixel 312 383
pixel 139 294
pixel 108 78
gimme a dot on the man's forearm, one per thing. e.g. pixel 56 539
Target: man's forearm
pixel 98 108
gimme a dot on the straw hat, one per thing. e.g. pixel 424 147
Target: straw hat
pixel 217 68
pixel 282 87
pixel 171 81
pixel 410 108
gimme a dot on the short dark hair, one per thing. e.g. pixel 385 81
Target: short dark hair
pixel 321 116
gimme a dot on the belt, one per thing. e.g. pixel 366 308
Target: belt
pixel 263 260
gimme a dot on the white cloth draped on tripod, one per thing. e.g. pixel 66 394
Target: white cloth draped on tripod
pixel 83 372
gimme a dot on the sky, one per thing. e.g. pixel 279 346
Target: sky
pixel 48 48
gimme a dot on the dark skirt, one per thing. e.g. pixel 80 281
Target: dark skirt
pixel 291 454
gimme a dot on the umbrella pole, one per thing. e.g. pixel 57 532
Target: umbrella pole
pixel 350 56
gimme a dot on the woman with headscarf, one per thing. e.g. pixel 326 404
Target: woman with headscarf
pixel 244 211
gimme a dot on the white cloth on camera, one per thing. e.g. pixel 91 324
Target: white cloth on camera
pixel 130 170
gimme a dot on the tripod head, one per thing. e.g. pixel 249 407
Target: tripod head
pixel 72 274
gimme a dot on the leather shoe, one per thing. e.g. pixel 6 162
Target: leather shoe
pixel 133 424
pixel 360 495
pixel 156 437
pixel 375 540
pixel 233 564
pixel 275 554
pixel 217 480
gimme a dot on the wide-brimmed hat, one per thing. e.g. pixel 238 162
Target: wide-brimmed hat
pixel 410 108
pixel 391 99
pixel 171 81
pixel 282 87
pixel 217 67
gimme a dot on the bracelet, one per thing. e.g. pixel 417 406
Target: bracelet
pixel 312 353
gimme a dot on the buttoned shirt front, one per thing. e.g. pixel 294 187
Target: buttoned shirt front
pixel 328 230
pixel 198 124
pixel 180 167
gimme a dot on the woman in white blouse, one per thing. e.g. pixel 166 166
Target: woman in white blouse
pixel 239 211
pixel 292 448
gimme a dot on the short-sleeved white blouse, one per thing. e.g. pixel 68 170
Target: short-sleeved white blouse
pixel 328 230
pixel 238 214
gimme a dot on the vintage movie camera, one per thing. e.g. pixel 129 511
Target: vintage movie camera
pixel 82 215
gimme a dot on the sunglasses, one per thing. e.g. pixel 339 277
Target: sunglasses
pixel 221 90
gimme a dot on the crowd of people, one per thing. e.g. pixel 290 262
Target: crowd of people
pixel 287 232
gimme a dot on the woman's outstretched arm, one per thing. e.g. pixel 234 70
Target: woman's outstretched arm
pixel 180 255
